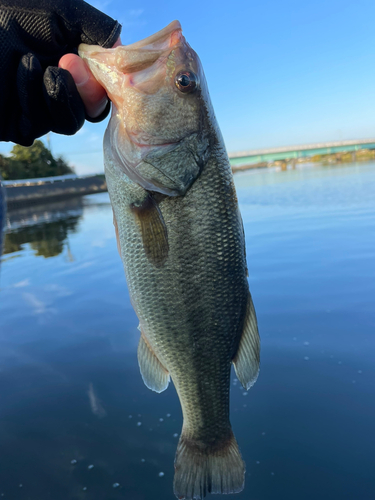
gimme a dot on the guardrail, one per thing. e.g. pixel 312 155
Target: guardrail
pixel 45 180
pixel 28 191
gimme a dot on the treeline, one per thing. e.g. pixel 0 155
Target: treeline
pixel 47 240
pixel 33 162
pixel 345 156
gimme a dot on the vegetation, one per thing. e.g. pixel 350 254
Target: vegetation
pixel 47 240
pixel 324 159
pixel 344 157
pixel 33 162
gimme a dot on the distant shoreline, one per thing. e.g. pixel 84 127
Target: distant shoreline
pixel 34 191
pixel 327 159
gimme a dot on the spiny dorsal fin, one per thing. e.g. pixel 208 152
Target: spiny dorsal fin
pixel 246 360
pixel 154 375
pixel 153 230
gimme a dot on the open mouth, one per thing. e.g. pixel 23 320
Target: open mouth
pixel 163 39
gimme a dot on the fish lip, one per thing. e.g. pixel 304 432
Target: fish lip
pixel 161 36
pixel 163 41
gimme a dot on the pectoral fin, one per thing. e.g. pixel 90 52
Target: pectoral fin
pixel 153 230
pixel 154 375
pixel 246 360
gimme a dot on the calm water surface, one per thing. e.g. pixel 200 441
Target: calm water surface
pixel 76 421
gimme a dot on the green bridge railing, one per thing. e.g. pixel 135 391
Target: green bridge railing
pixel 296 152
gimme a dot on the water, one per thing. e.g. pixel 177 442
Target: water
pixel 76 421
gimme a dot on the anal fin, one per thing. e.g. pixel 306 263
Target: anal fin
pixel 246 360
pixel 154 375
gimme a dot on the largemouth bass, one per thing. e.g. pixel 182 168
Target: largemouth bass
pixel 181 239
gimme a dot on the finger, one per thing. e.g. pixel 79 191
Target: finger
pixel 117 43
pixel 87 24
pixel 65 105
pixel 79 21
pixel 34 120
pixel 92 93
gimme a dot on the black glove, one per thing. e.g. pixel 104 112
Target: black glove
pixel 35 96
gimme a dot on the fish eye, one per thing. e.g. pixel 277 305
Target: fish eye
pixel 186 82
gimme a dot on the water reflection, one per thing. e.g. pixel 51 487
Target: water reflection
pixel 44 227
pixel 70 387
pixel 95 403
pixel 2 212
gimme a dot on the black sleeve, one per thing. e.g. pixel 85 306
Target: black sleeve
pixel 35 95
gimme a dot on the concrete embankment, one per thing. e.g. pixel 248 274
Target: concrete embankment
pixel 31 191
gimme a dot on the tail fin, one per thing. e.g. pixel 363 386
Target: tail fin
pixel 199 471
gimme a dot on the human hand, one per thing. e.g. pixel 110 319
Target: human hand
pixel 36 96
pixel 92 93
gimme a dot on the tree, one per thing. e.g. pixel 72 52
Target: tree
pixel 46 239
pixel 33 162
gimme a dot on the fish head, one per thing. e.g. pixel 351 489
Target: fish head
pixel 159 132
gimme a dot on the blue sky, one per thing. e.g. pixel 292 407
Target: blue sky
pixel 280 72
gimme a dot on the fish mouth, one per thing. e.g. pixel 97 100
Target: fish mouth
pixel 138 56
pixel 163 39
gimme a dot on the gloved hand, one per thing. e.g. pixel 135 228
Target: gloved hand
pixel 35 95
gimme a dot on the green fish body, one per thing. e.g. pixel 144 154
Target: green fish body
pixel 181 239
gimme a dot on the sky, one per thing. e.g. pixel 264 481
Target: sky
pixel 280 72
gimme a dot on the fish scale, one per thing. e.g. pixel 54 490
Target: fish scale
pixel 200 294
pixel 181 240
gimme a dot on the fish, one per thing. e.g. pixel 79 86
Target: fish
pixel 181 239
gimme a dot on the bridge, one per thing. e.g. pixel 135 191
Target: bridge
pixel 290 153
